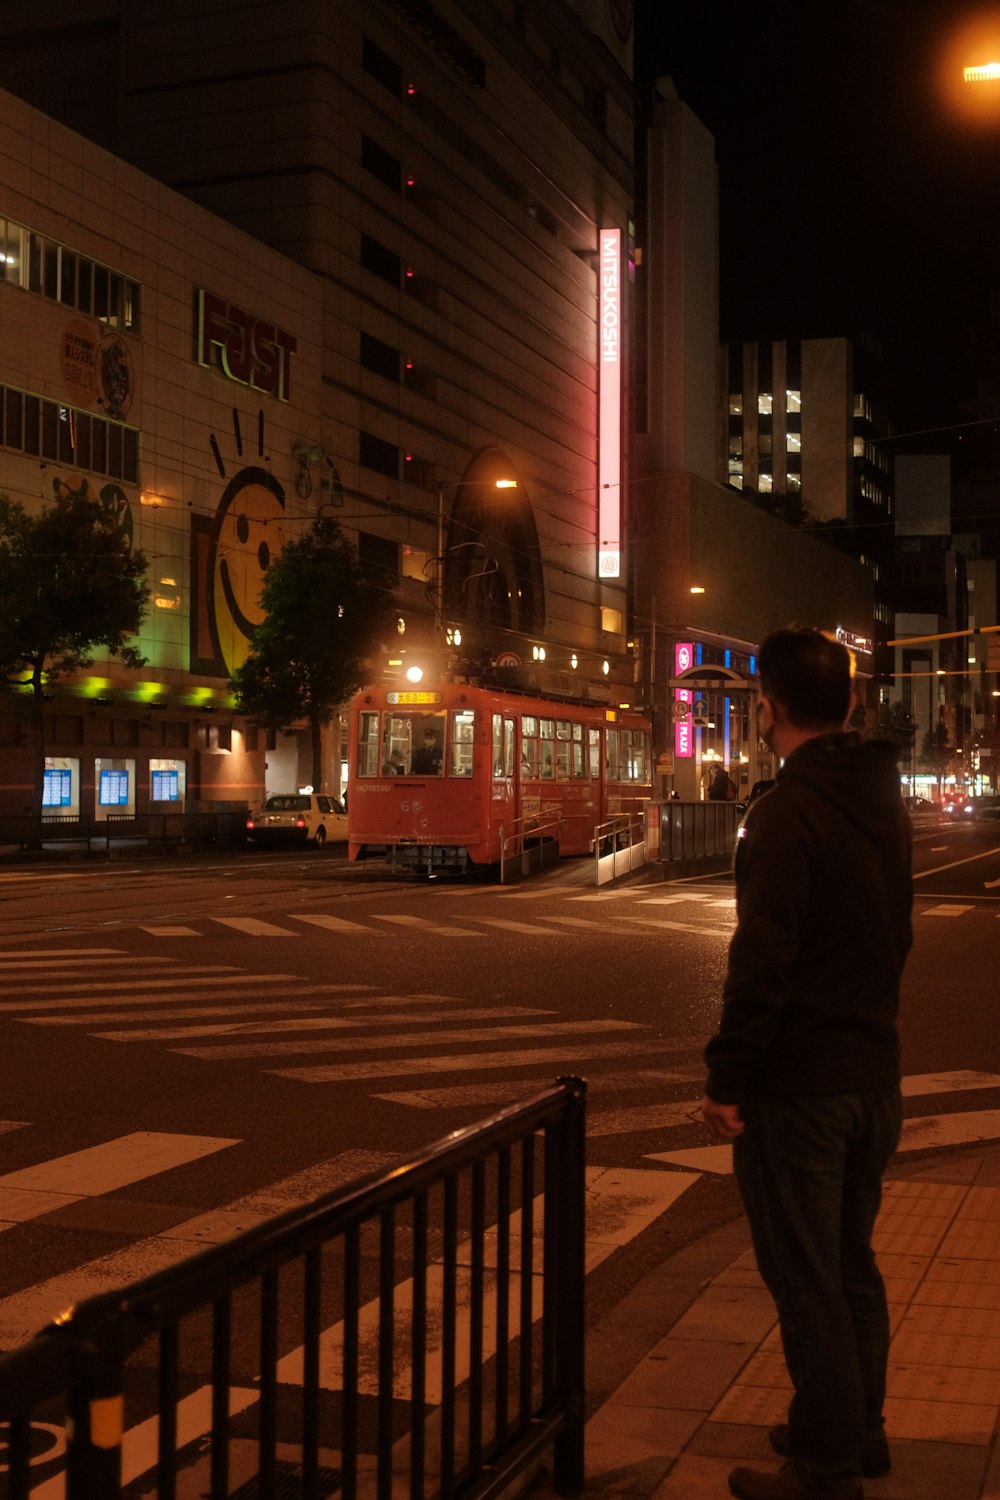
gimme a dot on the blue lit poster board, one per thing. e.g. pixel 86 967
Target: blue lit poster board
pixel 164 786
pixel 113 789
pixel 57 790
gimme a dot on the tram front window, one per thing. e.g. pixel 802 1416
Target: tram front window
pixel 413 744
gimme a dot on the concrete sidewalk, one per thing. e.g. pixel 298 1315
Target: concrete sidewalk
pixel 701 1399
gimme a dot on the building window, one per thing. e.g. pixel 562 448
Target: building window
pixel 381 163
pixel 380 260
pixel 793 400
pixel 595 106
pixel 764 484
pixel 52 430
pixel 380 66
pixel 735 405
pixel 381 554
pixel 611 620
pixel 764 404
pixel 382 358
pixel 375 453
pixel 793 442
pixel 41 265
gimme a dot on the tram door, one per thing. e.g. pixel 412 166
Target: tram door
pixel 504 791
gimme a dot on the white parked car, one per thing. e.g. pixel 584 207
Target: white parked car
pixel 299 817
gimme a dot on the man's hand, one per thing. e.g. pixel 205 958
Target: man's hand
pixel 723 1120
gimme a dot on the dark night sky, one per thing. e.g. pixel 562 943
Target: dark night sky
pixel 856 194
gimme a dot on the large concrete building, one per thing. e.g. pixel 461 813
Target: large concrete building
pixel 373 263
pixel 446 194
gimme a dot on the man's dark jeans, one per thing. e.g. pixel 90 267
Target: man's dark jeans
pixel 809 1170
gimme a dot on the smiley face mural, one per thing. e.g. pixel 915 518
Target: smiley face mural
pixel 230 554
pixel 248 534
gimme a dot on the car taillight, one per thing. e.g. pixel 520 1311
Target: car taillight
pixel 249 822
pixel 300 822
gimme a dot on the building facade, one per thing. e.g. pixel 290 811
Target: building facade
pixel 418 217
pixel 166 365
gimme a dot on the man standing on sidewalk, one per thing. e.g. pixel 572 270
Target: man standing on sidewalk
pixel 803 1073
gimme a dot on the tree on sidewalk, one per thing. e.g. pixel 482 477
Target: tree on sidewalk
pixel 69 584
pixel 325 614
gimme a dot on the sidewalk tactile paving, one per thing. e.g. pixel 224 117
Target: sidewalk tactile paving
pixel 941 1383
pixel 702 1400
pixel 982 1204
pixel 931 1318
pixel 755 1405
pixel 964 1271
pixel 943 1421
pixel 946 1349
pixel 973 1238
pixel 767 1368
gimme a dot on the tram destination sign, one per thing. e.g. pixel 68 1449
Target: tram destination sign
pixel 412 697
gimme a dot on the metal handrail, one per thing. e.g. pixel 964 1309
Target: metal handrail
pixel 514 841
pixel 81 1360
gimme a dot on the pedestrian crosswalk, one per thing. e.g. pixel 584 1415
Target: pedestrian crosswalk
pixel 457 912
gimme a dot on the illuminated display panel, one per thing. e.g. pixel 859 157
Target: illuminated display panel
pixel 609 359
pixel 113 789
pixel 57 789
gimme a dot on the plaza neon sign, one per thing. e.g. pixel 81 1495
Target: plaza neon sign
pixel 609 452
pixel 683 726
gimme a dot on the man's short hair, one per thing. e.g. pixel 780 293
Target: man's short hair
pixel 809 674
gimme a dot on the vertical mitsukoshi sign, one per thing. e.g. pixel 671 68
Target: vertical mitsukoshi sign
pixel 609 363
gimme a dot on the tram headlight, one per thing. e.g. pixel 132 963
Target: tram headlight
pixel 414 674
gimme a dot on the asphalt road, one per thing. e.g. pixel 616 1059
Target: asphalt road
pixel 305 1021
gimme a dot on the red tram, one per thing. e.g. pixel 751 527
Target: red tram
pixel 450 776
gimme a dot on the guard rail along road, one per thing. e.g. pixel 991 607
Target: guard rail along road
pixel 422 1327
pixel 697 830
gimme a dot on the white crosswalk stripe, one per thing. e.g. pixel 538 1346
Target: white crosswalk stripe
pixel 23 1313
pixel 423 1038
pixel 620 1204
pixel 33 1191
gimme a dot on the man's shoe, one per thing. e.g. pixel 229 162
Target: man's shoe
pixel 787 1484
pixel 876 1459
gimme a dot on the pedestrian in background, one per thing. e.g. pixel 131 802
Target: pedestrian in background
pixel 803 1073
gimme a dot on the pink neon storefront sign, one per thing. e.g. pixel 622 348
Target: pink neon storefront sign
pixel 683 728
pixel 609 367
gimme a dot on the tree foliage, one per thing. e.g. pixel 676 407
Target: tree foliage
pixel 69 585
pixel 896 723
pixel 325 613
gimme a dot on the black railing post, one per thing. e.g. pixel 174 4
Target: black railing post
pixel 95 1410
pixel 567 1186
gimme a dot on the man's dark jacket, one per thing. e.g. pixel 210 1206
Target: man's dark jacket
pixel 823 897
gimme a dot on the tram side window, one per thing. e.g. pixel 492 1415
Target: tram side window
pixel 368 757
pixel 612 752
pixel 530 759
pixel 635 766
pixel 503 747
pixel 547 734
pixel 564 731
pixel 579 765
pixel 462 725
pixel 595 752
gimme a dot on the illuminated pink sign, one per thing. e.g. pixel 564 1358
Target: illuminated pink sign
pixel 609 453
pixel 683 728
